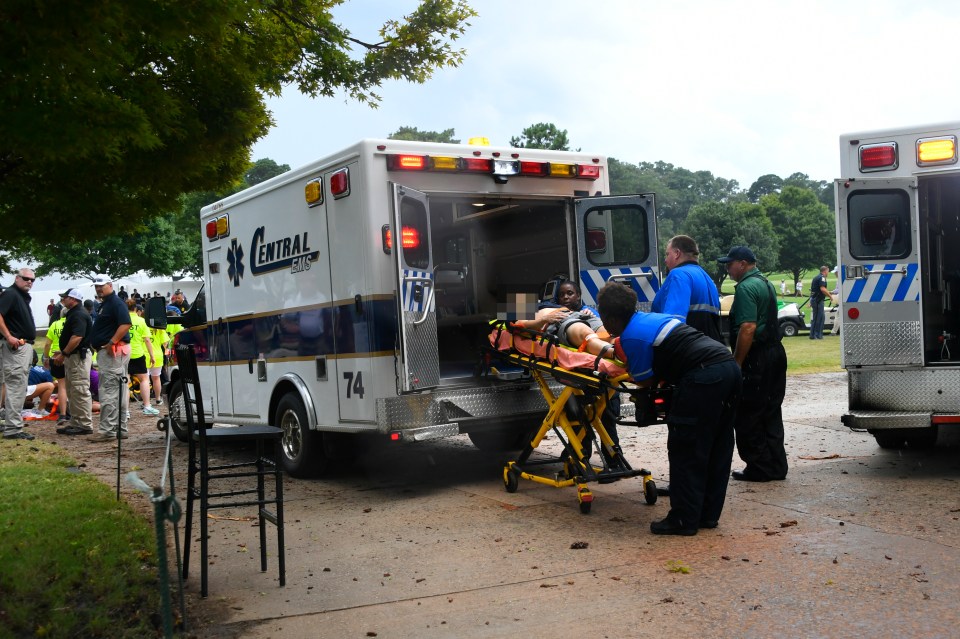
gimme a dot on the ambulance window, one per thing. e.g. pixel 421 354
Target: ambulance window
pixel 879 224
pixel 616 235
pixel 413 236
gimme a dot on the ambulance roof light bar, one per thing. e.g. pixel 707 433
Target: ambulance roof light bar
pixel 499 169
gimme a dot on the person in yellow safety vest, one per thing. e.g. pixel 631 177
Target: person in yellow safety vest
pixel 141 348
pixel 159 338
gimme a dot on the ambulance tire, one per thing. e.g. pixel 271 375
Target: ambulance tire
pixel 302 452
pixel 896 438
pixel 507 438
pixel 178 419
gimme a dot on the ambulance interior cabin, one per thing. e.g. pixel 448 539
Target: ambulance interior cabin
pixel 880 230
pixel 484 250
pixel 939 203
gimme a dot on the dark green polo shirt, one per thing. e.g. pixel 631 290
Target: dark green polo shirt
pixel 751 301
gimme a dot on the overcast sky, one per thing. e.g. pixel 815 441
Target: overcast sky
pixel 737 88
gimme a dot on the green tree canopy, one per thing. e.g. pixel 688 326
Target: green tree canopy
pixel 719 226
pixel 415 134
pixel 805 228
pixel 764 185
pixel 111 110
pixel 542 135
pixel 167 244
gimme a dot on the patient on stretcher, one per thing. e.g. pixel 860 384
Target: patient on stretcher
pixel 576 324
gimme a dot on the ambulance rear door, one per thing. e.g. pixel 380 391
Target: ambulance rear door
pixel 879 251
pixel 617 240
pixel 418 362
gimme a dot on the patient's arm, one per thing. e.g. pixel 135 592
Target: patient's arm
pixel 545 317
pixel 579 333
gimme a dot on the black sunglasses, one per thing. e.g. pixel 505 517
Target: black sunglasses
pixel 27 279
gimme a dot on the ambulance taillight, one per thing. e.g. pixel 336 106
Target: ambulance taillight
pixel 879 157
pixel 409 238
pixel 596 240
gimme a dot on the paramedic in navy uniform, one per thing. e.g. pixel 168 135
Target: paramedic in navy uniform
pixel 661 348
pixel 688 292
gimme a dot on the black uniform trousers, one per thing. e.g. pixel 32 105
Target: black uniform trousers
pixel 759 422
pixel 700 441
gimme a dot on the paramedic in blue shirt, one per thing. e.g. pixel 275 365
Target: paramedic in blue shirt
pixel 688 292
pixel 661 349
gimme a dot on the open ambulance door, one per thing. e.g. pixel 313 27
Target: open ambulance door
pixel 879 250
pixel 617 240
pixel 418 361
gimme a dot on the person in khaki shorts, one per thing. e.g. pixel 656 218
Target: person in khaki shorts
pixel 75 357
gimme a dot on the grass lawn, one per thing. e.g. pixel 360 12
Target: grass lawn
pixel 76 563
pixel 805 355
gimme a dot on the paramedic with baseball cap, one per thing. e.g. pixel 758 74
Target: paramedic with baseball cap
pixel 111 339
pixel 76 360
pixel 755 336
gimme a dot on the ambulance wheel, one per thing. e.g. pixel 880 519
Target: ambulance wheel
pixel 178 415
pixel 513 436
pixel 302 451
pixel 650 491
pixel 889 439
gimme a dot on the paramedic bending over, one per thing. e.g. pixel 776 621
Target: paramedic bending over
pixel 661 348
pixel 573 321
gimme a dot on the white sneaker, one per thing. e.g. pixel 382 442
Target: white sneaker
pixel 126 416
pixel 150 410
pixel 160 402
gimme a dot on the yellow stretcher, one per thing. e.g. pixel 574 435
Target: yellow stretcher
pixel 578 415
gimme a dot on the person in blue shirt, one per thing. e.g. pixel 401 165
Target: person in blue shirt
pixel 688 292
pixel 660 349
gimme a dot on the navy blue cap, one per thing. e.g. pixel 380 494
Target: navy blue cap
pixel 738 253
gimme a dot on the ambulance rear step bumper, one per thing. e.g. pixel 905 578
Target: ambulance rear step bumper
pixel 885 419
pixel 444 413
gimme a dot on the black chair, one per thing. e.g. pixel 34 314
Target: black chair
pixel 203 436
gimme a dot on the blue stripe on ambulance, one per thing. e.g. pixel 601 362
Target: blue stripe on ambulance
pixel 888 284
pixel 592 280
pixel 410 304
pixel 309 332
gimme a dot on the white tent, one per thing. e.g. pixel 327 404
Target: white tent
pixel 142 284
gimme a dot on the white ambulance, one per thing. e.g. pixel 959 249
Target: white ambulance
pixel 898 234
pixel 354 294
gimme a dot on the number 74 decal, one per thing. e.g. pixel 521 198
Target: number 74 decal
pixel 354 383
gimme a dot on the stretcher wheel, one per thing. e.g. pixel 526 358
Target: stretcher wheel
pixel 585 507
pixel 650 491
pixel 511 479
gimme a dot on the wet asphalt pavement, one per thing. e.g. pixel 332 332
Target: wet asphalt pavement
pixel 423 541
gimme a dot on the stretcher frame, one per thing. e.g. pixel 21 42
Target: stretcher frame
pixel 576 416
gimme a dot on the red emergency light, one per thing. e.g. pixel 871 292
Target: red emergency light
pixel 878 157
pixel 596 240
pixel 534 168
pixel 406 162
pixel 211 230
pixel 591 171
pixel 409 238
pixel 340 183
pixel 481 165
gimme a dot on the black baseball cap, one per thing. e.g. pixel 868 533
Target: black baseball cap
pixel 738 253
